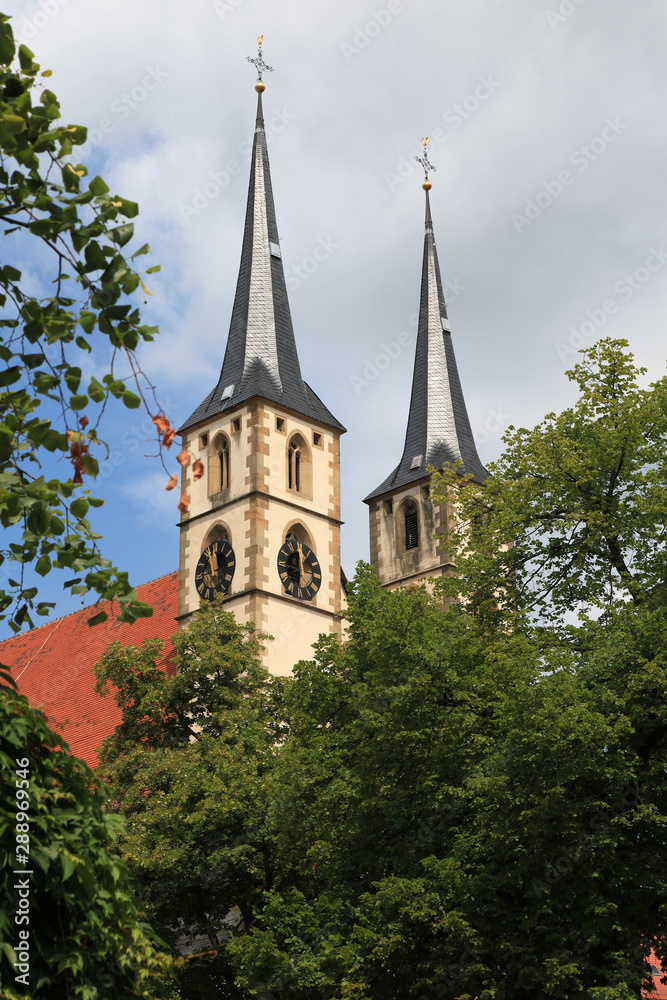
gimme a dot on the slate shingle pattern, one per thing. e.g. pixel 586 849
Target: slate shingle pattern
pixel 438 425
pixel 261 357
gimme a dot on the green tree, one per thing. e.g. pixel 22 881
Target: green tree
pixel 463 815
pixel 73 231
pixel 74 911
pixel 467 803
pixel 574 515
pixel 190 767
pixel 523 745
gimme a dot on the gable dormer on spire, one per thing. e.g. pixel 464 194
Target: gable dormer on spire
pixel 261 358
pixel 438 429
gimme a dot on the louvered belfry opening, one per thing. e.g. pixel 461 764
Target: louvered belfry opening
pixel 411 526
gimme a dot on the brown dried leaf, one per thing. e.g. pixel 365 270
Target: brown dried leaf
pixel 183 457
pixel 77 449
pixel 184 504
pixel 161 423
pixel 197 470
pixel 83 422
pixel 169 436
pixel 172 483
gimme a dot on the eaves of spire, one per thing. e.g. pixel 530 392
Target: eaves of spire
pixel 261 358
pixel 438 429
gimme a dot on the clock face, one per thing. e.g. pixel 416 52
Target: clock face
pixel 215 570
pixel 299 570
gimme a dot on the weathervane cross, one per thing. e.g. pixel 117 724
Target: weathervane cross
pixel 259 63
pixel 424 160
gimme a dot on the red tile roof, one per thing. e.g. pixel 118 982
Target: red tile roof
pixel 660 990
pixel 52 665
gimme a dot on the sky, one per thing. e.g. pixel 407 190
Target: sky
pixel 548 204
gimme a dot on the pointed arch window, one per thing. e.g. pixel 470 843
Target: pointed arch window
pixel 299 466
pixel 294 468
pixel 223 458
pixel 218 533
pixel 411 520
pixel 219 473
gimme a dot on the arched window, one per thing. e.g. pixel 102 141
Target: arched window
pixel 297 533
pixel 294 568
pixel 411 518
pixel 299 466
pixel 294 469
pixel 218 464
pixel 223 458
pixel 218 533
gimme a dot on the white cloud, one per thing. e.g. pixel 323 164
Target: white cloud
pixel 352 122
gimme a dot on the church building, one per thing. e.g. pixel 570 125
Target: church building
pixel 261 493
pixel 260 509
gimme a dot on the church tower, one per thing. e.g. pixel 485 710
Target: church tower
pixel 403 521
pixel 261 506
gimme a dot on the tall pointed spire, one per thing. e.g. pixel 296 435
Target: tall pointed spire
pixel 438 425
pixel 261 357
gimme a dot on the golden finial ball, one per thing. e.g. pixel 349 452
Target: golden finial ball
pixel 260 87
pixel 427 185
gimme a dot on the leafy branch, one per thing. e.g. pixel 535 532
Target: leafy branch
pixel 75 232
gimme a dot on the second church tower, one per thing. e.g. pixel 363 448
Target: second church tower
pixel 404 524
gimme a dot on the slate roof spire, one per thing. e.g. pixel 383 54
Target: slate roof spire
pixel 438 425
pixel 261 357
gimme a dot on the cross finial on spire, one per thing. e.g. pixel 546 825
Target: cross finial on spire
pixel 424 160
pixel 260 65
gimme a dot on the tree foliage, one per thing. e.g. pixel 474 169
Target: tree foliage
pixel 467 816
pixel 574 516
pixel 73 232
pixel 87 937
pixel 467 803
pixel 190 769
